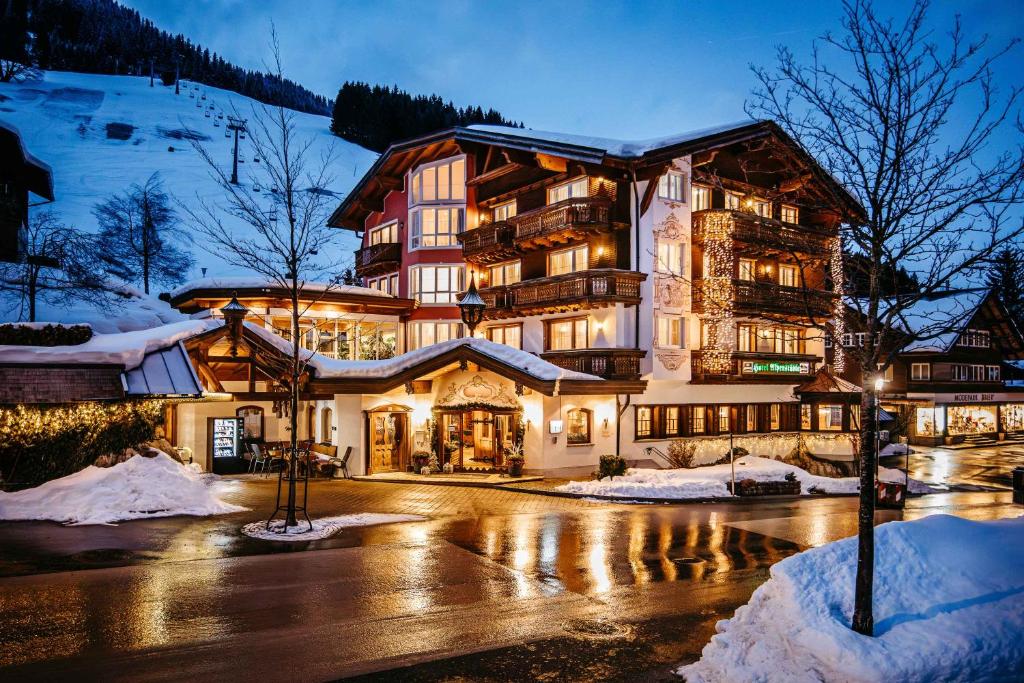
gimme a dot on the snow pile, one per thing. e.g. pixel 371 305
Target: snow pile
pixel 322 527
pixel 124 348
pixel 134 489
pixel 948 606
pixel 894 476
pixel 330 367
pixel 712 481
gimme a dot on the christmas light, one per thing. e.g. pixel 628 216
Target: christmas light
pixel 838 310
pixel 717 293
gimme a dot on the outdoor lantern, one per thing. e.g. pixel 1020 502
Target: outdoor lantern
pixel 234 314
pixel 471 306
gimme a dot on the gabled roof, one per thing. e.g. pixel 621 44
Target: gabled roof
pixel 18 162
pixel 824 382
pixel 942 318
pixel 633 154
pixel 164 372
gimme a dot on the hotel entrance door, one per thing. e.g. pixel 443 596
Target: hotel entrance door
pixel 476 439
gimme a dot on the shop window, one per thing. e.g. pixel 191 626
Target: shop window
pixel 971 419
pixel 830 418
pixel 700 198
pixel 643 422
pixel 578 428
pixel 1013 417
pixel 805 416
pixel 925 421
pixel 252 422
pixel 670 186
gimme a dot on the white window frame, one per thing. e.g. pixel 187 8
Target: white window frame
pixel 670 257
pixel 503 211
pixel 672 186
pixel 573 190
pixel 504 268
pixel 417 237
pixel 994 373
pixel 669 331
pixel 579 263
pixel 384 283
pixel 374 233
pixel 787 268
pixel 447 297
pixel 449 164
pixel 700 197
pixel 449 327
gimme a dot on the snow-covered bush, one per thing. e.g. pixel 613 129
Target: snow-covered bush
pixel 611 466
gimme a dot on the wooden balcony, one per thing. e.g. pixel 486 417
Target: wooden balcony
pixel 489 243
pixel 567 221
pixel 760 235
pixel 747 367
pixel 569 292
pixel 758 298
pixel 378 259
pixel 616 364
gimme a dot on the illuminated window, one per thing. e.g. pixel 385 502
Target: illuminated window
pixel 762 208
pixel 423 334
pixel 670 258
pixel 830 418
pixel 752 417
pixel 568 260
pixel 252 421
pixel 435 284
pixel 723 419
pixel 385 283
pixel 384 234
pixel 436 227
pixel 564 335
pixel 775 418
pixel 790 214
pixel 787 276
pixel 670 331
pixel 732 200
pixel 700 198
pixel 578 427
pixel 443 181
pixel 502 212
pixel 671 420
pixel 805 416
pixel 670 186
pixel 643 422
pixel 697 423
pixel 573 189
pixel 745 337
pixel 790 340
pixel 510 335
pixel 503 274
pixel 747 268
pixel 920 371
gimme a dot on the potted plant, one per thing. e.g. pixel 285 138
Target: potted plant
pixel 420 459
pixel 515 460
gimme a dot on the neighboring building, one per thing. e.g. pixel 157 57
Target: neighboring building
pixel 961 382
pixel 683 269
pixel 20 174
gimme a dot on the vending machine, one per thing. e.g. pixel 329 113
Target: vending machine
pixel 226 445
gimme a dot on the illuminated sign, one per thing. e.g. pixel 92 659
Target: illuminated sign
pixel 776 367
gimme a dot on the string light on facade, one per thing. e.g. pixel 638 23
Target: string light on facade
pixel 717 293
pixel 838 312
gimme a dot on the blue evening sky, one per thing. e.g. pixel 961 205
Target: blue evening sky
pixel 615 69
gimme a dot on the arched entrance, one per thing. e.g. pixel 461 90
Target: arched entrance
pixel 327 426
pixel 390 445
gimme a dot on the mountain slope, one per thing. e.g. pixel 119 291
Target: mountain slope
pixel 100 134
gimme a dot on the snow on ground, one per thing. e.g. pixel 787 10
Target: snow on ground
pixel 100 134
pixel 322 527
pixel 948 606
pixel 712 481
pixel 122 348
pixel 137 488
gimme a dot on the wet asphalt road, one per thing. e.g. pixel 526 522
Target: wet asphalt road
pixel 494 586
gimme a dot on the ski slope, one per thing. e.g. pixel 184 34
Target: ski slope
pixel 100 134
pixel 78 124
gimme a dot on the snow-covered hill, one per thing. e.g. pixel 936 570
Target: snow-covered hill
pixel 100 134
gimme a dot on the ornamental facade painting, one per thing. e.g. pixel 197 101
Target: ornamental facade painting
pixel 477 391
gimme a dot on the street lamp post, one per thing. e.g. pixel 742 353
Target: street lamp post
pixel 471 307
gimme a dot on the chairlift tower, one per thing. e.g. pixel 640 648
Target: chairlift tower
pixel 238 126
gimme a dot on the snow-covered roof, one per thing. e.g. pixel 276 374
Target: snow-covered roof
pixel 127 349
pixel 129 310
pixel 824 382
pixel 329 368
pixel 262 282
pixel 37 172
pixel 938 321
pixel 611 146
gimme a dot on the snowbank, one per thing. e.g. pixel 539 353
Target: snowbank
pixel 712 481
pixel 949 606
pixel 322 527
pixel 135 489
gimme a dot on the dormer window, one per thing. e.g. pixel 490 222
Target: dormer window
pixel 573 189
pixel 977 339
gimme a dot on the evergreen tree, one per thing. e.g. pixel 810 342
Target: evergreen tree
pixel 1006 276
pixel 137 233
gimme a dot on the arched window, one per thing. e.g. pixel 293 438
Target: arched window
pixel 252 422
pixel 327 426
pixel 579 426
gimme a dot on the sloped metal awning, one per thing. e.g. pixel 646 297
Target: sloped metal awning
pixel 167 373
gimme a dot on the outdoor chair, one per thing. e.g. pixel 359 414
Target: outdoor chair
pixel 342 463
pixel 259 459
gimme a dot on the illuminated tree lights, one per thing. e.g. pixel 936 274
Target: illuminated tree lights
pixel 717 293
pixel 838 307
pixel 38 443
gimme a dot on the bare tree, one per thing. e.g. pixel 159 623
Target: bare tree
pixel 286 238
pixel 138 231
pixel 910 122
pixel 58 266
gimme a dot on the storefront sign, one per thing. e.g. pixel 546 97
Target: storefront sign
pixel 775 367
pixel 968 398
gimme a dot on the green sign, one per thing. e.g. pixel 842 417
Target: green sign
pixel 775 367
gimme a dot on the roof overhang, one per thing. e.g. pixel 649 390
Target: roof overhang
pixel 199 299
pixel 16 162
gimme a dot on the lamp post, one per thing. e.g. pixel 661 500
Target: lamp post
pixel 879 383
pixel 234 315
pixel 471 307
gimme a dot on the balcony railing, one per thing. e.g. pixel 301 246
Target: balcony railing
pixel 570 291
pixel 489 243
pixel 762 232
pixel 605 363
pixel 377 259
pixel 743 366
pixel 753 298
pixel 558 223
